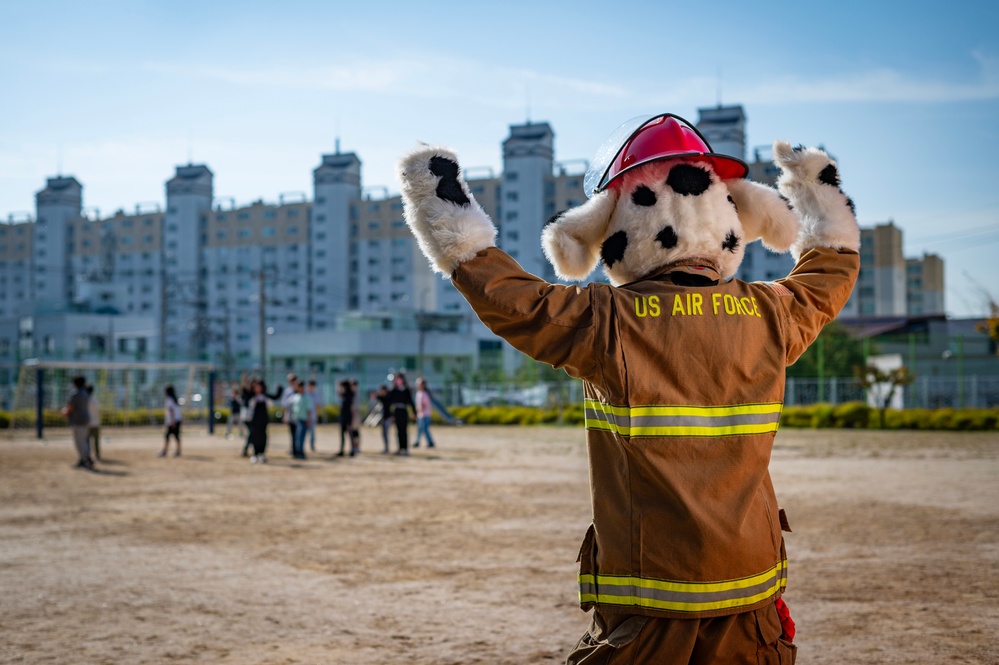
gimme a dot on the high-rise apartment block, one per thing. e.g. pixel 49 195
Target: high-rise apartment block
pixel 924 285
pixel 202 280
pixel 890 284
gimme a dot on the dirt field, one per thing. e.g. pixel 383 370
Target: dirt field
pixel 465 555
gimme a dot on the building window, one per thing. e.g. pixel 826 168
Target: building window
pixel 268 232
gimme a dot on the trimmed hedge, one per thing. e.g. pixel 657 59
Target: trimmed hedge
pixel 860 415
pixel 851 415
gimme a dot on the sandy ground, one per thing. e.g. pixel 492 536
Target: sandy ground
pixel 463 554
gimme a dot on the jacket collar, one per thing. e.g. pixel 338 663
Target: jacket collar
pixel 686 272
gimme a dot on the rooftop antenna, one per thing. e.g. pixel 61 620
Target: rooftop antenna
pixel 336 142
pixel 719 86
pixel 527 110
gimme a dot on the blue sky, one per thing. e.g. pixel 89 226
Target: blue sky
pixel 905 95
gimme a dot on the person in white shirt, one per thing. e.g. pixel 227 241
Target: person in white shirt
pixel 424 412
pixel 173 419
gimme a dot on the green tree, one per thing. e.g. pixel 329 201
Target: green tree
pixel 835 351
pixel 881 384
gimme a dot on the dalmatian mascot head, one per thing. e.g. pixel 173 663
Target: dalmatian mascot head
pixel 658 196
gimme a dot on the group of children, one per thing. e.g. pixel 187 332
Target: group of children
pixel 300 402
pixel 249 410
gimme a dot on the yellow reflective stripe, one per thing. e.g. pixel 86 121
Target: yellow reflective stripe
pixel 682 596
pixel 673 606
pixel 683 420
pixel 624 430
pixel 688 587
pixel 702 411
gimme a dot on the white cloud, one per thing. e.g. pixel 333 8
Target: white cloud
pixel 426 77
pixel 876 85
pixel 510 88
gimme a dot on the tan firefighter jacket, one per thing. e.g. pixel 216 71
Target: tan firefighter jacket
pixel 683 384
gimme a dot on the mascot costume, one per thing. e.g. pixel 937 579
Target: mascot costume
pixel 683 369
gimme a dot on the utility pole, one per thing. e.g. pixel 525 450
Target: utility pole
pixel 263 322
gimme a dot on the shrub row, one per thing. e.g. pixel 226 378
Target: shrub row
pixel 856 415
pixel 142 417
pixel 861 415
pixel 848 415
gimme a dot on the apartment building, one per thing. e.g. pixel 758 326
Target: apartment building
pixel 205 279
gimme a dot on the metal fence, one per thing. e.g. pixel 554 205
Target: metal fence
pixel 929 392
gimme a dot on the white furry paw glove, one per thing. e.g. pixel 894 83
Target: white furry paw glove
pixel 810 180
pixel 440 210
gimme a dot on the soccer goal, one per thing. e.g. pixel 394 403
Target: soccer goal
pixel 128 394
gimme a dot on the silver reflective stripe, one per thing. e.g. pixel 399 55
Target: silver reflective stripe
pixel 674 420
pixel 682 596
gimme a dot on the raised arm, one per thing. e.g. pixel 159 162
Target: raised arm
pixel 550 323
pixel 826 249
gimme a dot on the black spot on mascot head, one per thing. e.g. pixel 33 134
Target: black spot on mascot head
pixel 829 176
pixel 732 201
pixel 852 206
pixel 643 196
pixel 554 218
pixel 667 238
pixel 731 242
pixel 688 180
pixel 448 187
pixel 613 248
pixel 786 201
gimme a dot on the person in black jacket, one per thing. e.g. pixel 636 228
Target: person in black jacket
pixel 257 402
pixel 401 400
pixel 346 393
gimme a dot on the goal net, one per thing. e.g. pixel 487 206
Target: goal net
pixel 127 394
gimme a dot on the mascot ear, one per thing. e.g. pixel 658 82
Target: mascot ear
pixel 572 238
pixel 765 214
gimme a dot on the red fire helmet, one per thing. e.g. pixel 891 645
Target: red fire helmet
pixel 664 136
